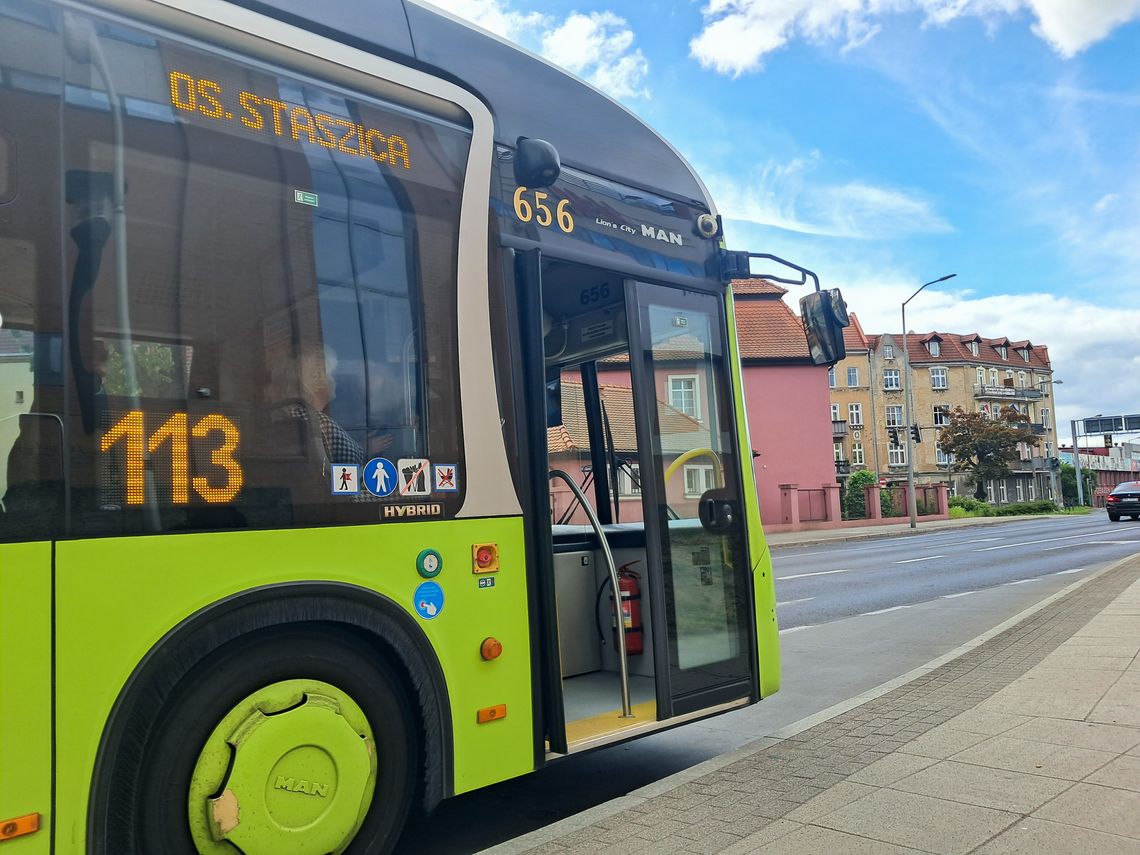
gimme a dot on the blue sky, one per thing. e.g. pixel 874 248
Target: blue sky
pixel 884 143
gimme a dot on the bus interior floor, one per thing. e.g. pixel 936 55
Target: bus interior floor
pixel 599 692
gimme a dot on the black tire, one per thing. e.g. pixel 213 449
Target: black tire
pixel 211 688
pixel 1114 517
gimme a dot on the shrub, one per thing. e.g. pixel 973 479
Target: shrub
pixel 854 499
pixel 1041 506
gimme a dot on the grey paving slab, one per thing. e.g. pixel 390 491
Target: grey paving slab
pixel 1081 734
pixel 1035 758
pixel 1054 692
pixel 990 723
pixel 1126 627
pixel 1098 646
pixel 1035 837
pixel 893 767
pixel 1123 772
pixel 920 822
pixel 942 742
pixel 812 840
pixel 753 842
pixel 830 800
pixel 1096 807
pixel 1120 704
pixel 983 786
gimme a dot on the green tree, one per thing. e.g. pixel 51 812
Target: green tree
pixel 1069 484
pixel 854 496
pixel 985 447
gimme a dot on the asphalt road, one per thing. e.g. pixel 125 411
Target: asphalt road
pixel 852 615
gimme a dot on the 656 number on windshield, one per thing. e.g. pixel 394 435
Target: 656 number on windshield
pixel 536 205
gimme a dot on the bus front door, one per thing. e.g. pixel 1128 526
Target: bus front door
pixel 691 492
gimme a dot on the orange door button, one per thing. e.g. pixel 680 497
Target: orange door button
pixel 29 823
pixel 491 713
pixel 485 558
pixel 491 648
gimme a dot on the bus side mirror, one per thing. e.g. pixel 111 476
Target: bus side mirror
pixel 824 315
pixel 536 163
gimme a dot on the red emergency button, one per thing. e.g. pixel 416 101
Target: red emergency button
pixel 485 558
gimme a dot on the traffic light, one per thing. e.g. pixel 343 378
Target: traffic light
pixel 1054 463
pixel 894 432
pixel 915 434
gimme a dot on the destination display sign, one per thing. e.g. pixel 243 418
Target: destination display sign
pixel 610 218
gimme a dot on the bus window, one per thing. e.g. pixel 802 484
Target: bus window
pixel 291 258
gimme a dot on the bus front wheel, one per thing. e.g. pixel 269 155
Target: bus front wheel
pixel 300 741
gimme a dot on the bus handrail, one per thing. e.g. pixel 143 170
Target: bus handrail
pixel 619 617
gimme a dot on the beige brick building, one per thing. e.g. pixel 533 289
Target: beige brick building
pixel 948 370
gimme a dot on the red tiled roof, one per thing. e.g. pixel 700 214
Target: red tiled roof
pixel 573 434
pixel 954 349
pixel 768 329
pixel 756 287
pixel 853 336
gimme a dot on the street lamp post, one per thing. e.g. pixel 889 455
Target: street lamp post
pixel 912 505
pixel 1057 497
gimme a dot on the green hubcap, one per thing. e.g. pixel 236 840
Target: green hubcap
pixel 288 771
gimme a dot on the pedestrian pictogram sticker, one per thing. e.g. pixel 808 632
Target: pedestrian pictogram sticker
pixel 345 479
pixel 428 600
pixel 445 478
pixel 414 476
pixel 380 478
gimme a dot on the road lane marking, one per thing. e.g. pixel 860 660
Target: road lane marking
pixel 1090 543
pixel 1067 572
pixel 1045 540
pixel 817 573
pixel 793 602
pixel 979 540
pixel 796 628
pixel 912 560
pixel 883 611
pixel 1020 581
pixel 960 594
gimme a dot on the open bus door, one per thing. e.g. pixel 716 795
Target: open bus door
pixel 644 496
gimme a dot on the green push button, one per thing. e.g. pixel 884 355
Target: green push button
pixel 429 563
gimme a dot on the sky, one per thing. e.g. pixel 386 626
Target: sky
pixel 886 143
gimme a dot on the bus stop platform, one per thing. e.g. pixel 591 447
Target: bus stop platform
pixel 1024 740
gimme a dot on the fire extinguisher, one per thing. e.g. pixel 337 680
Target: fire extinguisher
pixel 630 585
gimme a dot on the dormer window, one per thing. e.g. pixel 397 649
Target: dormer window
pixel 888 351
pixel 973 345
pixel 1003 351
pixel 934 347
pixel 1025 353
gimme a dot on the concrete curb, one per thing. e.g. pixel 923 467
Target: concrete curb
pixel 605 810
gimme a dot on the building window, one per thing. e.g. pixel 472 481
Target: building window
pixel 1003 351
pixel 855 414
pixel 941 415
pixel 857 453
pixel 699 479
pixel 973 345
pixel 981 376
pixel 993 377
pixel 1021 380
pixel 831 377
pixel 835 412
pixel 19 396
pixel 896 456
pixel 1048 449
pixel 934 347
pixel 1025 353
pixel 683 395
pixel 891 379
pixel 938 378
pixel 941 458
pixel 1003 492
pixel 888 351
pixel 629 481
pixel 1020 492
pixel 894 416
pixel 837 447
pixel 1045 417
pixel 852 376
pixel 1009 376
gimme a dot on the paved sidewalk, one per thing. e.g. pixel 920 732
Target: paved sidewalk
pixel 1026 742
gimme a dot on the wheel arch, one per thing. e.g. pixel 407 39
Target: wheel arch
pixel 379 622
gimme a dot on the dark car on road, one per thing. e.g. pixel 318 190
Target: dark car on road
pixel 1124 500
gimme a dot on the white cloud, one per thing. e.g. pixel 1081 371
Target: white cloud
pixel 782 195
pixel 738 34
pixel 598 47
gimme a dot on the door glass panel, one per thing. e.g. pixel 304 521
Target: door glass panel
pixel 700 512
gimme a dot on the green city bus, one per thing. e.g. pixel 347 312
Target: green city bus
pixel 350 360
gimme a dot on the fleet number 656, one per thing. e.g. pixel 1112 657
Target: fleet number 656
pixel 531 205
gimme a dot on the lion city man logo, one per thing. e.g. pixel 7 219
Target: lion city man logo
pixel 300 785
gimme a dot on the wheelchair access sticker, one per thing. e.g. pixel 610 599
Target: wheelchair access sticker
pixel 428 600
